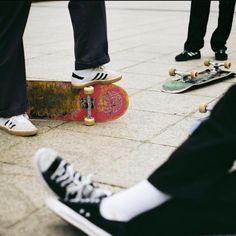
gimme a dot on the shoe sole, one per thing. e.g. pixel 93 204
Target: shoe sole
pixel 20 133
pixel 190 59
pixel 111 81
pixel 74 218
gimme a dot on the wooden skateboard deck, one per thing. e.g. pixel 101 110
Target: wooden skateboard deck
pixel 185 82
pixel 58 100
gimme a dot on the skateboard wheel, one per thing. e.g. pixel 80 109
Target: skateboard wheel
pixel 194 74
pixel 207 62
pixel 89 121
pixel 227 64
pixel 202 108
pixel 89 90
pixel 172 72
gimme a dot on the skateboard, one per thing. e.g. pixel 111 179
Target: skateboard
pixel 184 81
pixel 58 100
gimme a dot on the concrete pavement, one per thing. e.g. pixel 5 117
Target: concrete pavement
pixel 144 38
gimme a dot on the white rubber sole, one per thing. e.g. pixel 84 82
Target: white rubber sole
pixel 75 219
pixel 20 133
pixel 90 83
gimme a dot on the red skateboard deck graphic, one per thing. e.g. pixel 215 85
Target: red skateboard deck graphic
pixel 58 100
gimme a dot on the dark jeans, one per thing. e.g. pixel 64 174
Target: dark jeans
pixel 198 24
pixel 91 47
pixel 198 176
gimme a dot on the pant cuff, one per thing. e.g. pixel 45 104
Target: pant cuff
pixel 96 63
pixel 13 112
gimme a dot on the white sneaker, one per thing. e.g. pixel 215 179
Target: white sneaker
pixel 18 125
pixel 99 75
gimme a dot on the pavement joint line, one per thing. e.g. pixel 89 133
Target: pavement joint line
pixel 136 64
pixel 166 128
pixel 163 113
pixel 8 163
pixel 102 135
pixel 164 145
pixel 37 209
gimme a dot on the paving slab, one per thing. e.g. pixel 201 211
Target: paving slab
pixel 144 37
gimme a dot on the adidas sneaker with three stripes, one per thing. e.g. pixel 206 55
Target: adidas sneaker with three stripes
pixel 99 75
pixel 18 125
pixel 187 55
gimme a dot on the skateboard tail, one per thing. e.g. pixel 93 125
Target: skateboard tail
pixel 175 86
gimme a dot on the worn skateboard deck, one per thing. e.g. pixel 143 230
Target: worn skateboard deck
pixel 181 84
pixel 58 100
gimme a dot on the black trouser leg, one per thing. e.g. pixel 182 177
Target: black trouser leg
pixel 90 33
pixel 13 18
pixel 204 157
pixel 198 178
pixel 183 217
pixel 225 20
pixel 197 24
pixel 215 213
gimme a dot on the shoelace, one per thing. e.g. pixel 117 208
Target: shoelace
pixel 77 187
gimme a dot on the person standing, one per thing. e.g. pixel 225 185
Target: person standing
pixel 91 53
pixel 199 15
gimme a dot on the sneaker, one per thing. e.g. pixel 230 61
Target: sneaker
pixel 99 75
pixel 187 55
pixel 62 180
pixel 85 215
pixel 221 55
pixel 18 125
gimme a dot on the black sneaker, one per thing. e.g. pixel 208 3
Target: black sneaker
pixel 62 180
pixel 221 55
pixel 85 215
pixel 187 55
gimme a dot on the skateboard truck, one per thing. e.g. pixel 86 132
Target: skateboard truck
pixel 185 76
pixel 217 65
pixel 89 120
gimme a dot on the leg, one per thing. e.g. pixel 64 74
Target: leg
pixel 197 25
pixel 213 214
pixel 91 46
pixel 13 17
pixel 203 158
pixel 183 217
pixel 90 33
pixel 225 20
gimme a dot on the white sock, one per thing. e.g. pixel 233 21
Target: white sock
pixel 129 203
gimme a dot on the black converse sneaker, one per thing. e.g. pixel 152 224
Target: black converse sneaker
pixel 99 75
pixel 187 55
pixel 62 180
pixel 85 215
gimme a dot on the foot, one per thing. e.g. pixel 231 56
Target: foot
pixel 188 55
pixel 62 180
pixel 221 55
pixel 99 75
pixel 86 216
pixel 18 125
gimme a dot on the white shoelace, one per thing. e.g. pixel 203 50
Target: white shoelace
pixel 77 187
